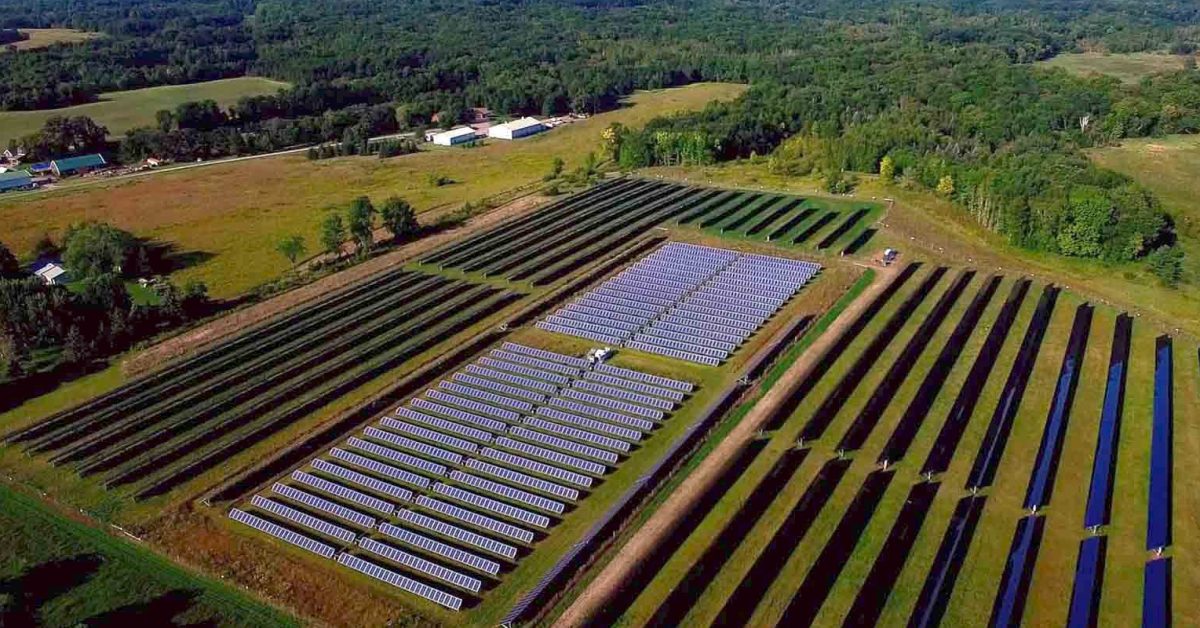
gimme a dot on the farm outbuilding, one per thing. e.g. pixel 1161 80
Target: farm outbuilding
pixel 16 180
pixel 77 165
pixel 517 129
pixel 52 274
pixel 453 137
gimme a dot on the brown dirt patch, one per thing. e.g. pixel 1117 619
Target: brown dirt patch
pixel 195 339
pixel 683 500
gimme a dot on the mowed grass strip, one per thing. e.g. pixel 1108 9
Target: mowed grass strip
pixel 264 200
pixel 121 111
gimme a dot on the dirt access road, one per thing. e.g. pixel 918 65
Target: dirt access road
pixel 674 511
pixel 208 333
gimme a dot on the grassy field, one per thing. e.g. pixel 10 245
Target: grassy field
pixel 60 572
pixel 42 37
pixel 977 583
pixel 261 201
pixel 1128 68
pixel 120 111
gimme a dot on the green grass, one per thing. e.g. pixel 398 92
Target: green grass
pixel 121 111
pixel 32 534
pixel 978 582
pixel 1128 67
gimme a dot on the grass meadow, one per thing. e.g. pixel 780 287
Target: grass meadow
pixel 43 37
pixel 121 111
pixel 1128 68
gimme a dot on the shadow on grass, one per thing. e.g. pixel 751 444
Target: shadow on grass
pixel 22 597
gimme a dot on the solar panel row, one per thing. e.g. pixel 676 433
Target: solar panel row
pixel 457 414
pixel 441 549
pixel 639 376
pixel 572 331
pixel 282 533
pixel 527 360
pixel 348 494
pixel 370 464
pixel 674 353
pixel 476 519
pixel 459 534
pixel 601 413
pixel 578 434
pixel 493 505
pixel 428 434
pixel 546 355
pixel 511 378
pixel 407 460
pixel 613 404
pixel 553 456
pixel 687 347
pixel 503 490
pixel 554 378
pixel 324 505
pixel 452 602
pixel 514 477
pixel 566 445
pixel 487 396
pixel 501 388
pixel 414 445
pixel 589 424
pixel 538 467
pixel 303 519
pixel 623 394
pixel 366 481
pixel 698 338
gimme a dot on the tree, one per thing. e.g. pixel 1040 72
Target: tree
pixel 361 223
pixel 76 349
pixel 10 268
pixel 556 169
pixel 887 169
pixel 333 234
pixel 61 136
pixel 1166 262
pixel 399 218
pixel 292 247
pixel 945 185
pixel 94 248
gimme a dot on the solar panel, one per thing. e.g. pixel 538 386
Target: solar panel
pixel 503 490
pixel 569 318
pixel 366 481
pixel 442 425
pixel 451 602
pixel 626 395
pixel 503 389
pixel 510 378
pixel 610 314
pixel 493 505
pixel 490 397
pixel 383 469
pixel 692 338
pixel 454 532
pixel 553 456
pixel 428 434
pixel 538 467
pixel 527 371
pixel 601 413
pixel 589 424
pixel 417 446
pixel 546 355
pixel 639 376
pixel 577 434
pixel 303 518
pixel 348 494
pixel 527 360
pixel 673 353
pixel 566 445
pixel 524 480
pixel 397 456
pixel 621 306
pixel 582 333
pixel 685 347
pixel 457 414
pixel 684 316
pixel 476 519
pixel 700 328
pixel 282 533
pixel 605 402
pixel 441 549
pixel 475 406
pixel 416 563
pixel 324 505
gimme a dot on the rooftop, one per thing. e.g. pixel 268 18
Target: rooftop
pixel 83 161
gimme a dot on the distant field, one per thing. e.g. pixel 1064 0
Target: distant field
pixel 59 572
pixel 1129 68
pixel 42 37
pixel 1169 166
pixel 237 212
pixel 120 111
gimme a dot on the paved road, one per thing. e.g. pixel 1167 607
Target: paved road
pixel 704 478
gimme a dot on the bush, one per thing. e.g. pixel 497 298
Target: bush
pixel 1166 262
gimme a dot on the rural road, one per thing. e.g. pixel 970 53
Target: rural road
pixel 601 591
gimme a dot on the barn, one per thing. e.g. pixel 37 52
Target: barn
pixel 453 137
pixel 16 180
pixel 517 129
pixel 78 165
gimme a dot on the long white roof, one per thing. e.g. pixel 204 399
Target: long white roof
pixel 517 125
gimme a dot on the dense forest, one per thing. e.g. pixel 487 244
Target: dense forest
pixel 941 94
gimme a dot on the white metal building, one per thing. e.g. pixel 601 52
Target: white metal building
pixel 461 135
pixel 516 129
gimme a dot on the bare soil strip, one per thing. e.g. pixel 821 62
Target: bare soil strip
pixel 703 479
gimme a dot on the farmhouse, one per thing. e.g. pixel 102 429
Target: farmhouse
pixel 16 180
pixel 516 129
pixel 77 165
pixel 453 137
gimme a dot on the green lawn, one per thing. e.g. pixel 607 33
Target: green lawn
pixel 120 111
pixel 60 572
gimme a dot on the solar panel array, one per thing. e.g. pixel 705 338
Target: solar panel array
pixel 489 459
pixel 685 301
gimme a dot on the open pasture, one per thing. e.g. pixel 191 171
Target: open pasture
pixel 960 453
pixel 43 37
pixel 121 111
pixel 1128 67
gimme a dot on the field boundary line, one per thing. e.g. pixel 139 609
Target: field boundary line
pixel 592 600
